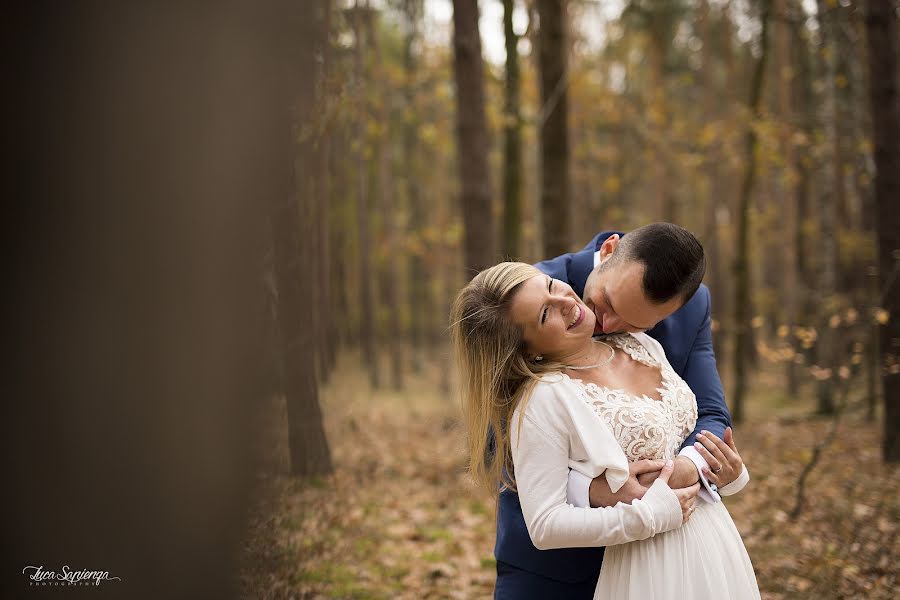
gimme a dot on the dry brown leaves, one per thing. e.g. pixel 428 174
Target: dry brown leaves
pixel 399 519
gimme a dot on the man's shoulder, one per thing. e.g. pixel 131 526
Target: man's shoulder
pixel 697 306
pixel 694 310
pixel 678 331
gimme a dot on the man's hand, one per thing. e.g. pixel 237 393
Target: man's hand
pixel 601 495
pixel 685 474
pixel 725 462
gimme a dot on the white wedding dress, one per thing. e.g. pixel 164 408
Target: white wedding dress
pixel 705 558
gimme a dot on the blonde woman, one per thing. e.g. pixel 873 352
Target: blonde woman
pixel 541 397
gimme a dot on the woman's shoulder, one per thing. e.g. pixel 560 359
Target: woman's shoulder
pixel 550 385
pixel 552 394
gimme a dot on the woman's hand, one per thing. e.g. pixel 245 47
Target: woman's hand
pixel 687 497
pixel 725 463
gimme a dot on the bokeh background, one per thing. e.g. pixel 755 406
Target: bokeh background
pixel 238 227
pixel 443 137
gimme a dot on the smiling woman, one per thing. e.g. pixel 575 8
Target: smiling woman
pixel 555 321
pixel 504 315
pixel 517 334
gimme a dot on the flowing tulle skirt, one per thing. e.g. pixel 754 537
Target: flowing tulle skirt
pixel 704 558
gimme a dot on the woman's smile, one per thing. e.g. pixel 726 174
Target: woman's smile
pixel 578 317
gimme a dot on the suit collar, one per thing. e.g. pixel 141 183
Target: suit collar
pixel 579 268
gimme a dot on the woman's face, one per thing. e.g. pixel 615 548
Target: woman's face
pixel 555 320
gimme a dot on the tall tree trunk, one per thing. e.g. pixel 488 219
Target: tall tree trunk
pixel 826 350
pixel 418 277
pixel 472 138
pixel 865 273
pixel 512 141
pixel 132 278
pixel 294 266
pixel 741 271
pixel 804 109
pixel 661 26
pixel 712 100
pixel 785 110
pixel 392 267
pixel 555 201
pixel 881 27
pixel 324 322
pixel 364 250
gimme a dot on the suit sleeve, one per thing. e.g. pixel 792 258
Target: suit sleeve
pixel 701 375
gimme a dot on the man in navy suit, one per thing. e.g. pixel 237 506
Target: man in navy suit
pixel 632 283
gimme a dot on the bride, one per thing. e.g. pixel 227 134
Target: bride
pixel 542 396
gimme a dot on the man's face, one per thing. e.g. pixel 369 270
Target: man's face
pixel 615 295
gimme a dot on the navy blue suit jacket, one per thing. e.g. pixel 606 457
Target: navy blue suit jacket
pixel 687 339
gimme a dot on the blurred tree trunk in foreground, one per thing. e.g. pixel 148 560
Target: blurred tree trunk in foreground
pixel 512 141
pixel 741 270
pixel 553 121
pixel 472 139
pixel 881 26
pixel 294 242
pixel 145 170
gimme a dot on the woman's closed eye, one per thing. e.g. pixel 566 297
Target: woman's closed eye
pixel 547 308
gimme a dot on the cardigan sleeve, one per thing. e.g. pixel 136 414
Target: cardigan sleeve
pixel 540 450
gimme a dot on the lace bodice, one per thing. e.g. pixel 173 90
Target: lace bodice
pixel 646 428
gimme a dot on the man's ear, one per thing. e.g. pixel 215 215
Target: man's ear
pixel 608 246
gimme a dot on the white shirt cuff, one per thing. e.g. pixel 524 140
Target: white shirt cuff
pixel 578 490
pixel 737 485
pixel 708 490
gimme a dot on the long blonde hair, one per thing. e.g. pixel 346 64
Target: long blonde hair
pixel 495 373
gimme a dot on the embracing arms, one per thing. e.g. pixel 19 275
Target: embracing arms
pixel 541 455
pixel 700 373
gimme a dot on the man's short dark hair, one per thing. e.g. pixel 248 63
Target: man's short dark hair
pixel 673 259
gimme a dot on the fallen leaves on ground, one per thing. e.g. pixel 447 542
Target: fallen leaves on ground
pixel 399 519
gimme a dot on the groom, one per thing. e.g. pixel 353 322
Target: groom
pixel 634 282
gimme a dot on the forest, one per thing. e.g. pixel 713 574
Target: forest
pixel 438 140
pixel 236 231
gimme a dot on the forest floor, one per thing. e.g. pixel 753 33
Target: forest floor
pixel 398 519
